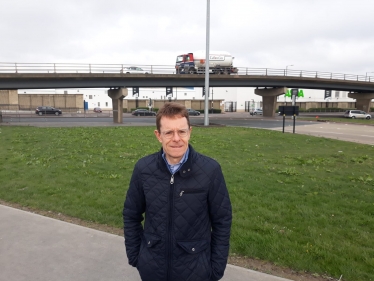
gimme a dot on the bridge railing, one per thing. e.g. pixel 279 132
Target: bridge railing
pixel 167 69
pixel 80 68
pixel 303 73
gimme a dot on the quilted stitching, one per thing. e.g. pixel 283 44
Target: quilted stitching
pixel 192 220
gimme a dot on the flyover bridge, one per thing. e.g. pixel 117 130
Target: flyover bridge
pixel 269 82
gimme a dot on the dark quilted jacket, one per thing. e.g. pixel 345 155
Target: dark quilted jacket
pixel 187 220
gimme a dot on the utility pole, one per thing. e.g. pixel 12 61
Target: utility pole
pixel 206 105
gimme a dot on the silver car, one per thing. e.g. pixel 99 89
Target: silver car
pixel 133 70
pixel 357 114
pixel 257 111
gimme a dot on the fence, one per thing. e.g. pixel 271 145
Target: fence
pixel 167 69
pixel 230 106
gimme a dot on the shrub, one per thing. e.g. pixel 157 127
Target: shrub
pixel 210 110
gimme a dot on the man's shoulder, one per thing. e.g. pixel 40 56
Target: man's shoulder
pixel 205 161
pixel 147 160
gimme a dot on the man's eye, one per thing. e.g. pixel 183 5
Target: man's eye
pixel 170 133
pixel 182 133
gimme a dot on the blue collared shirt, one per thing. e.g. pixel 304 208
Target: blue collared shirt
pixel 174 168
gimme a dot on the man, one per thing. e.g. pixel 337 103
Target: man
pixel 186 204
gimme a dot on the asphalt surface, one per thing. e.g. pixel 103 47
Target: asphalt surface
pixel 341 131
pixel 38 248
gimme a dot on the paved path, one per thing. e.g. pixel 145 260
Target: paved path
pixel 34 247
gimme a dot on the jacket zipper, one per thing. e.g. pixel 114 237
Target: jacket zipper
pixel 170 225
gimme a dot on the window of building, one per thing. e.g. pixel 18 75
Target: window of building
pixel 90 97
pixel 98 104
pixel 185 94
pixel 106 104
pixel 337 94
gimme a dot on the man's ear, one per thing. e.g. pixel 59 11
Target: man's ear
pixel 158 135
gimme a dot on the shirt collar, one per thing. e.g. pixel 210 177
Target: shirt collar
pixel 173 168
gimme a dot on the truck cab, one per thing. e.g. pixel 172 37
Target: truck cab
pixel 185 64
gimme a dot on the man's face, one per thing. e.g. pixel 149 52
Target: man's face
pixel 174 136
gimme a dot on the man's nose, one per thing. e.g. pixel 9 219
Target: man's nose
pixel 176 136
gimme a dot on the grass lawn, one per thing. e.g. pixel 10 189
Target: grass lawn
pixel 302 202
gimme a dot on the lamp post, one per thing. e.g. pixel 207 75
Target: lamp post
pixel 206 106
pixel 367 74
pixel 212 103
pixel 287 67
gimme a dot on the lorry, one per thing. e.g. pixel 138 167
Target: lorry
pixel 220 62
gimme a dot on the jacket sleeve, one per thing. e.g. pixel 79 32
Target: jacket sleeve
pixel 221 216
pixel 133 210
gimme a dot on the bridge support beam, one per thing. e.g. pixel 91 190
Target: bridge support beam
pixel 269 99
pixel 363 100
pixel 117 96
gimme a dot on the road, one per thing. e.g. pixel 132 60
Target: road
pixel 348 132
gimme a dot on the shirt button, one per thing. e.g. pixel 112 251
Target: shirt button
pixel 184 172
pixel 193 249
pixel 149 242
pixel 188 170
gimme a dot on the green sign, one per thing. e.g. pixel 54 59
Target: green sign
pixel 299 95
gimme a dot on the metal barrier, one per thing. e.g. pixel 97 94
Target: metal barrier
pixel 166 69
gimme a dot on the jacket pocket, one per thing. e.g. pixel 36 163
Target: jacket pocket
pixel 190 191
pixel 151 239
pixel 194 257
pixel 151 259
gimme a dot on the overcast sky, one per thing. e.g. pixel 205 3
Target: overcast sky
pixel 319 35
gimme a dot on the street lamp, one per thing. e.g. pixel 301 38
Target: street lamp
pixel 367 74
pixel 287 67
pixel 206 105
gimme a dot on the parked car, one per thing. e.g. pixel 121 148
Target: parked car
pixel 143 112
pixel 193 112
pixel 257 111
pixel 40 110
pixel 97 109
pixel 357 114
pixel 133 70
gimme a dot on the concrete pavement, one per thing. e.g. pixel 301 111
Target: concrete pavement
pixel 34 247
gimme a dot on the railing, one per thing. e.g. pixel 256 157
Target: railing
pixel 167 69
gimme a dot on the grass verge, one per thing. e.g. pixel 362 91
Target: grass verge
pixel 298 201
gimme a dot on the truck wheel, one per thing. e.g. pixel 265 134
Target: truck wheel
pixel 191 71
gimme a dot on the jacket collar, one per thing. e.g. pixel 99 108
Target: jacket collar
pixel 186 168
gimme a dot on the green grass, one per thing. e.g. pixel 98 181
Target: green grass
pixel 298 201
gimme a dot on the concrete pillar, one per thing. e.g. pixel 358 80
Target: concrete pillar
pixel 363 100
pixel 117 96
pixel 269 99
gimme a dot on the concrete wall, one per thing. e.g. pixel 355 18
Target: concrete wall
pixel 67 103
pixel 194 104
pixel 307 105
pixel 9 99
